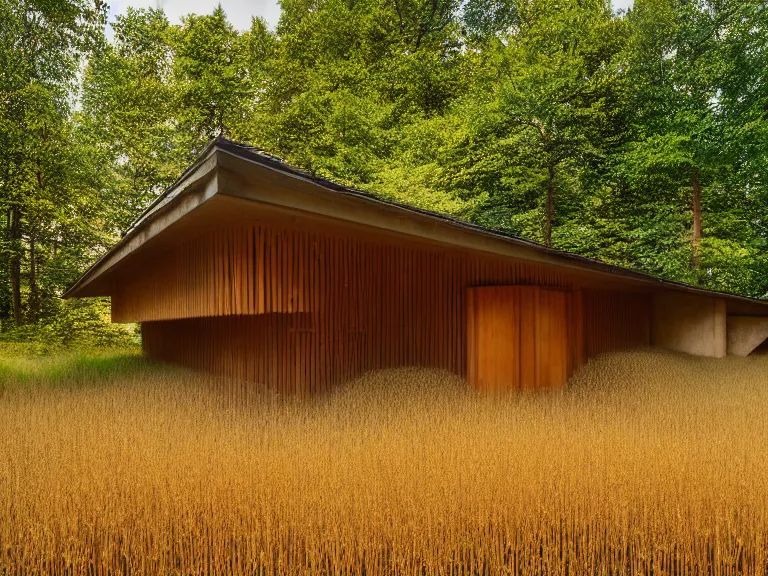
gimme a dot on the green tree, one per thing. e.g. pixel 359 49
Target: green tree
pixel 129 112
pixel 350 77
pixel 538 125
pixel 670 75
pixel 41 47
pixel 212 76
pixel 739 212
pixel 687 193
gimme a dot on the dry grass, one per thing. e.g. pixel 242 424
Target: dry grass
pixel 650 463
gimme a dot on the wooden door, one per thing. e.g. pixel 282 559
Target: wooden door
pixel 552 339
pixel 494 329
pixel 517 337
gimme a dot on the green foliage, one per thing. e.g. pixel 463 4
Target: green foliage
pixel 74 325
pixel 555 120
pixel 47 185
pixel 22 364
pixel 211 69
pixel 127 114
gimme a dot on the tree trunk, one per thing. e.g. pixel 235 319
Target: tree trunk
pixel 5 304
pixel 33 304
pixel 696 209
pixel 15 264
pixel 550 207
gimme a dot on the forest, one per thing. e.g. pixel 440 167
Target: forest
pixel 639 138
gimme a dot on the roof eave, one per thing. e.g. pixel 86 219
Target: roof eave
pixel 558 257
pixel 202 173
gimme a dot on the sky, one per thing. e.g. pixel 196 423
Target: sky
pixel 239 12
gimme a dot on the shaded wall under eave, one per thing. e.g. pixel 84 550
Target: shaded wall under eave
pixel 690 323
pixel 745 334
pixel 615 320
pixel 300 311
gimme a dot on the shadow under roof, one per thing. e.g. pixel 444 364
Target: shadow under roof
pixel 222 163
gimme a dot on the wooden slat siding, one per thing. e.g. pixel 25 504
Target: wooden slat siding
pixel 615 321
pixel 472 331
pixel 518 337
pixel 357 304
pixel 541 337
pixel 577 356
pixel 557 341
pixel 529 302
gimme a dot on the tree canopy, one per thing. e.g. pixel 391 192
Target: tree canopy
pixel 640 138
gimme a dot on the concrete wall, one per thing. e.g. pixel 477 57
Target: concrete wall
pixel 687 323
pixel 745 333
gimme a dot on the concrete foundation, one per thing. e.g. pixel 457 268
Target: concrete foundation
pixel 745 333
pixel 687 323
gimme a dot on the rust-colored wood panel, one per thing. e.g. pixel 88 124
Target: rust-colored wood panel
pixel 358 305
pixel 615 321
pixel 497 311
pixel 552 339
pixel 518 337
pixel 529 305
pixel 576 335
pixel 472 362
pixel 258 269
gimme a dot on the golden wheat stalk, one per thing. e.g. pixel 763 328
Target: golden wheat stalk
pixel 650 463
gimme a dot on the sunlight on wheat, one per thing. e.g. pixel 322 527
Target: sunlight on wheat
pixel 650 462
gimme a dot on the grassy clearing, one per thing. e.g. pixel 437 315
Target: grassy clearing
pixel 650 463
pixel 20 365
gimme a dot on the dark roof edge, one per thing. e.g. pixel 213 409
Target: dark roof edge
pixel 269 161
pixel 144 218
pixel 159 200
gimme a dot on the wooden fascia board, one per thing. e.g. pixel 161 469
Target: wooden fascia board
pixel 251 180
pixel 199 186
pixel 265 185
pixel 241 178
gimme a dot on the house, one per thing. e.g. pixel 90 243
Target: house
pixel 250 268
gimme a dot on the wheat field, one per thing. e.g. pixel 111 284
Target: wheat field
pixel 649 463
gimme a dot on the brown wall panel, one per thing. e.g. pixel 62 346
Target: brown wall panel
pixel 299 311
pixel 519 337
pixel 494 334
pixel 615 321
pixel 242 270
pixel 258 269
pixel 279 351
pixel 552 349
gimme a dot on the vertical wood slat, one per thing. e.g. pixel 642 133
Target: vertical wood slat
pixel 518 337
pixel 529 304
pixel 614 321
pixel 301 311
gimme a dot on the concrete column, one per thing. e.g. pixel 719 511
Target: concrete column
pixel 745 333
pixel 689 323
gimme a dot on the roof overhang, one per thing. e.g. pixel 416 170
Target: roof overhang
pixel 196 186
pixel 226 170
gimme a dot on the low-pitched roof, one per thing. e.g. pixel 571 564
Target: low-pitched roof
pixel 236 158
